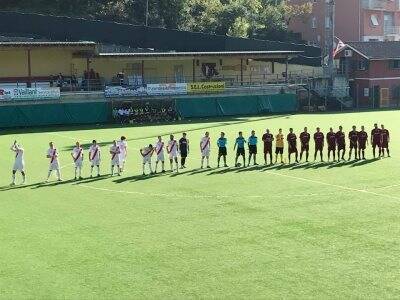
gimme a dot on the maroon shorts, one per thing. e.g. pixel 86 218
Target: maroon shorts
pixel 267 149
pixel 353 146
pixel 341 146
pixel 376 144
pixel 331 147
pixel 362 146
pixel 319 147
pixel 385 145
pixel 292 150
pixel 305 147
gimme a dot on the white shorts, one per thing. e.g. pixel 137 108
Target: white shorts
pixel 122 157
pixel 146 159
pixel 205 153
pixel 160 156
pixel 78 163
pixel 173 155
pixel 95 162
pixel 115 161
pixel 19 166
pixel 54 166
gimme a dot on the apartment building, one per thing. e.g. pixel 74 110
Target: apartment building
pixel 355 20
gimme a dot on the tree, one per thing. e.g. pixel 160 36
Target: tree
pixel 264 19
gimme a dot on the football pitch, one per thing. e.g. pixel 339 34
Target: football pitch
pixel 318 230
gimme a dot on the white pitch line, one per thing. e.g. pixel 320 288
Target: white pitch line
pixel 77 139
pixel 387 187
pixel 333 185
pixel 66 136
pixel 201 196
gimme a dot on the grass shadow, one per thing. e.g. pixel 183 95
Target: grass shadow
pixel 222 171
pixel 361 163
pixel 340 164
pixel 198 171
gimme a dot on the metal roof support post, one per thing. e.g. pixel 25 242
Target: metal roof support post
pixel 241 71
pixel 88 73
pixel 287 69
pixel 194 70
pixel 29 68
pixel 142 71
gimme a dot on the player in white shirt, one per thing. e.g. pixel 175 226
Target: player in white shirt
pixel 94 158
pixel 52 154
pixel 172 150
pixel 160 154
pixel 19 163
pixel 205 145
pixel 115 155
pixel 123 148
pixel 147 153
pixel 77 158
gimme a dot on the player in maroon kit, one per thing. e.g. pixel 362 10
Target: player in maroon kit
pixel 376 140
pixel 319 144
pixel 385 139
pixel 353 138
pixel 268 138
pixel 305 143
pixel 341 143
pixel 331 141
pixel 292 142
pixel 362 143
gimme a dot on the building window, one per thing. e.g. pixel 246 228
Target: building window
pixel 327 23
pixel 314 22
pixel 374 20
pixel 366 92
pixel 394 64
pixel 362 65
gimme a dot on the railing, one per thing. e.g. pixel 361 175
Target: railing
pixel 374 4
pixel 76 85
pixel 391 30
pixel 234 84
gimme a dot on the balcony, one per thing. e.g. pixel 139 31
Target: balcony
pixel 391 30
pixel 379 5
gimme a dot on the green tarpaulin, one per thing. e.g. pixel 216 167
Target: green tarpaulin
pixel 236 105
pixel 54 114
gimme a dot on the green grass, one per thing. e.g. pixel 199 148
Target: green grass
pixel 309 231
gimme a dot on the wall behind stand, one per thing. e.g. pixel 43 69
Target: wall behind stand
pixel 32 115
pixel 236 105
pixel 54 114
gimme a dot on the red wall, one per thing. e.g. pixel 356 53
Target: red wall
pixel 347 20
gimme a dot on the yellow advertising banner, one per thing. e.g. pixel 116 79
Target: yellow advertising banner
pixel 206 87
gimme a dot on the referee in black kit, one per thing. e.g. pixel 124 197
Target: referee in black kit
pixel 183 149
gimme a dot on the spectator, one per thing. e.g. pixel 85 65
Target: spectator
pixel 60 80
pixel 146 113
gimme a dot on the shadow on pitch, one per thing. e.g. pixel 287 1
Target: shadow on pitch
pixel 87 145
pixel 93 179
pixel 361 163
pixel 136 178
pixel 221 171
pixel 198 171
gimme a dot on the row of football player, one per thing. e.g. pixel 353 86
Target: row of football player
pixel 118 151
pixel 336 142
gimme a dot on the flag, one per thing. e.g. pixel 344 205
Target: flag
pixel 340 45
